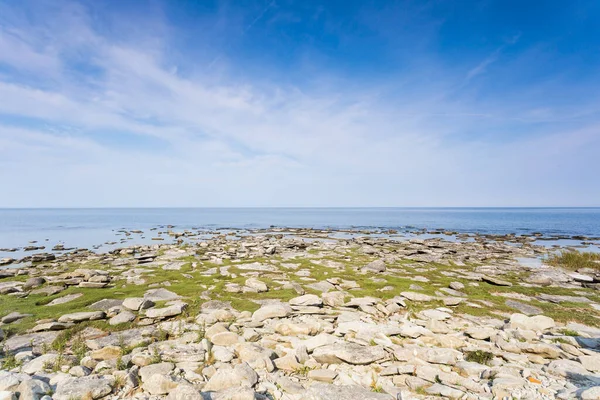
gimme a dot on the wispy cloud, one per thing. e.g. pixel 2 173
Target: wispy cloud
pixel 120 123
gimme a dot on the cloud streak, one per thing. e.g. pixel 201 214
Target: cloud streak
pixel 122 126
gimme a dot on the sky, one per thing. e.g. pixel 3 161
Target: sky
pixel 307 103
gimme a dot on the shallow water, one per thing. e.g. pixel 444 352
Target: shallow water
pixel 91 227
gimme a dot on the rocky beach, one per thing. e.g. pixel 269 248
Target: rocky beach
pixel 309 314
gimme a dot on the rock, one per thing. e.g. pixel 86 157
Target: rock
pixel 161 295
pixel 322 286
pixel 33 389
pixel 107 353
pixel 437 389
pixel 122 318
pixel 225 338
pixel 324 391
pixel 457 285
pixel 308 300
pixel 495 281
pixel 256 285
pixel 272 311
pixel 351 353
pixel 591 363
pixel 526 309
pixel 414 296
pixel 227 377
pixel 436 315
pixel 185 392
pixel 83 316
pixel 592 393
pixel 5 394
pixel 64 299
pixel 439 355
pixel 137 303
pixel 333 299
pixel 322 375
pixel 51 326
pixel 165 312
pixel 38 364
pixel 566 368
pixel 374 266
pixel 480 333
pixel 48 290
pixel 163 368
pixel 34 282
pixel 14 316
pixel 88 387
pixel 158 384
pixel 287 363
pixel 106 304
pixel 538 322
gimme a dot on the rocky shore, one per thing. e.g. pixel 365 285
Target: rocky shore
pixel 301 314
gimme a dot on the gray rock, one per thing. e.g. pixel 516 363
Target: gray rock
pixel 33 389
pixel 322 375
pixel 105 304
pixel 272 311
pixel 308 300
pixel 14 316
pixel 82 316
pixel 122 318
pixel 225 378
pixel 137 303
pixel 375 266
pixel 526 309
pixel 323 391
pixel 33 283
pixel 88 387
pixel 536 323
pixel 166 312
pixel 161 295
pixel 495 281
pixel 351 353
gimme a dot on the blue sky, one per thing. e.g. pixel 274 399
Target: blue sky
pixel 299 103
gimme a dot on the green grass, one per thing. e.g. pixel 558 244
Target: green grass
pixel 479 356
pixel 399 276
pixel 575 260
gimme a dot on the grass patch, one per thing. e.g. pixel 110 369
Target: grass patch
pixel 479 356
pixel 575 260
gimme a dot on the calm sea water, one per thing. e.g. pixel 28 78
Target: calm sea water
pixel 89 227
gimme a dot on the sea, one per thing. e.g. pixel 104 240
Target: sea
pixel 103 228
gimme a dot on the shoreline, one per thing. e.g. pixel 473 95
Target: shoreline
pixel 168 234
pixel 303 314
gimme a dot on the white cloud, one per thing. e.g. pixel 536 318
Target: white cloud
pixel 140 133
